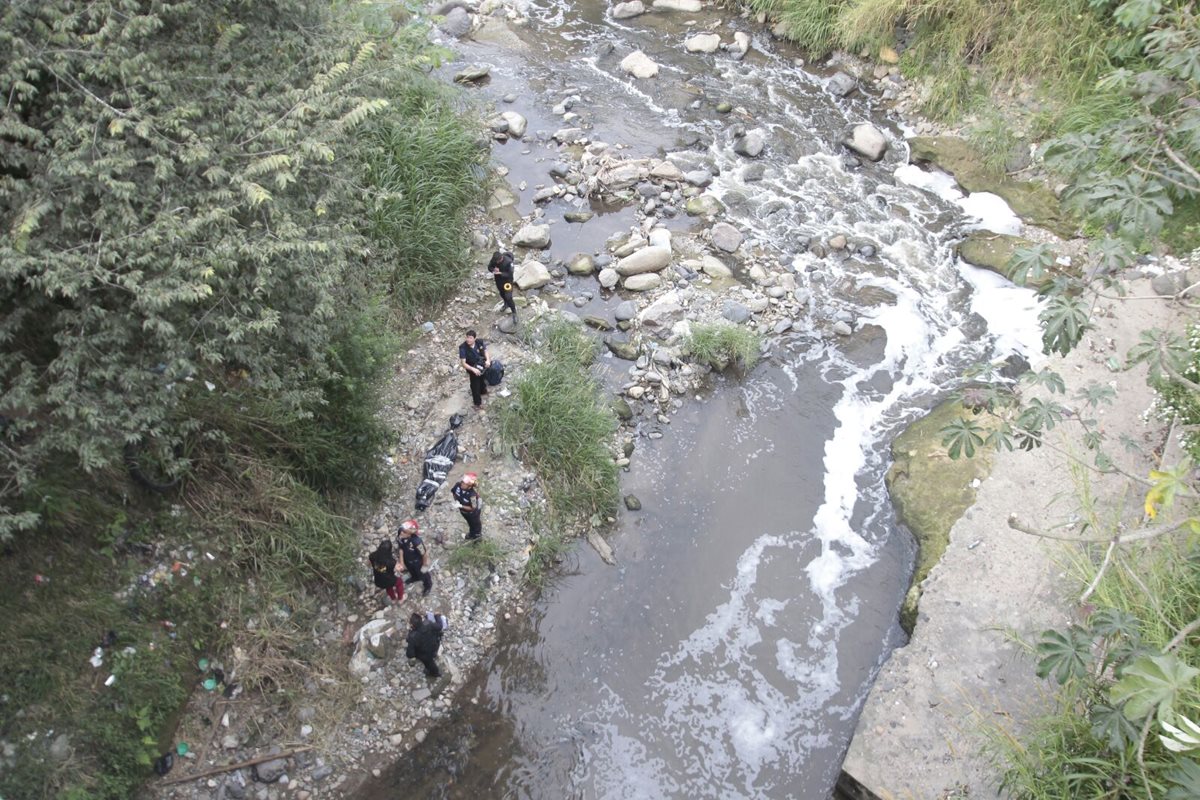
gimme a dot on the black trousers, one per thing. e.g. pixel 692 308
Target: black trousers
pixel 478 388
pixel 507 297
pixel 474 524
pixel 415 574
pixel 431 667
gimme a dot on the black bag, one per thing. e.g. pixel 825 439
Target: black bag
pixel 495 373
pixel 438 461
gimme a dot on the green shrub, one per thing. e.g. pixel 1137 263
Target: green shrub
pixel 559 419
pixel 479 554
pixel 809 23
pixel 722 345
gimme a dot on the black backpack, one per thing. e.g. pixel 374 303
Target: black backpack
pixel 495 373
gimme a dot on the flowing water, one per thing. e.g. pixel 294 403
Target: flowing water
pixel 730 651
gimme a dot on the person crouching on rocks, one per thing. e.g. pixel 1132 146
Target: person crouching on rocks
pixel 425 639
pixel 416 556
pixel 473 356
pixel 383 565
pixel 501 267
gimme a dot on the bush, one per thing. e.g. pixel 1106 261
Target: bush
pixel 559 419
pixel 722 345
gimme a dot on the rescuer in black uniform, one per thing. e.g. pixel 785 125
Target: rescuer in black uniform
pixel 470 505
pixel 501 267
pixel 416 557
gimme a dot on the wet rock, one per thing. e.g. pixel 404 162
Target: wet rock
pixel 599 323
pixel 698 177
pixel 532 275
pixel 753 172
pixel 735 312
pixel 842 328
pixel 757 305
pixel 578 216
pixel 568 135
pixel 726 237
pixel 601 547
pixel 639 65
pixel 702 43
pixel 740 46
pixel 662 311
pixel 991 251
pixel 704 205
pixel 660 237
pixel 625 311
pixel 498 124
pixel 621 408
pixel 516 123
pixel 648 259
pixel 620 348
pixel 714 268
pixel 456 23
pixel 609 278
pixel 627 10
pixel 581 264
pixel 691 6
pixel 782 326
pixel 841 84
pixel 632 503
pixel 560 169
pixel 472 74
pixel 536 237
pixel 867 140
pixel 724 107
pixel 751 144
pixel 270 771
pixel 837 242
pixel 643 282
pixel 666 171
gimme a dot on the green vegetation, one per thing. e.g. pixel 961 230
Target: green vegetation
pixel 550 544
pixel 722 345
pixel 559 420
pixel 481 554
pixel 211 231
pixel 1116 82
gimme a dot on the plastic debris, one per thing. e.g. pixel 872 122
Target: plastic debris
pixel 164 763
pixel 97 657
pixel 182 748
pixel 210 684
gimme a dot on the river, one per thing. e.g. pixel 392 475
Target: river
pixel 729 652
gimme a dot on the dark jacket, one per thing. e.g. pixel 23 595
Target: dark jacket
pixel 384 567
pixel 424 641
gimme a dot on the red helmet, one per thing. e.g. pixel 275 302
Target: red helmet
pixel 470 479
pixel 409 526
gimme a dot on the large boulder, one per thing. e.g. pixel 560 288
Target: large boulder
pixel 643 282
pixel 726 237
pixel 703 205
pixel 535 237
pixel 715 268
pixel 648 259
pixel 626 10
pixel 691 6
pixel 639 65
pixel 993 252
pixel 666 171
pixel 456 23
pixel 532 275
pixel 1033 202
pixel 841 84
pixel 516 124
pixel 662 311
pixel 751 144
pixel 472 73
pixel 739 46
pixel 702 43
pixel 735 312
pixel 867 140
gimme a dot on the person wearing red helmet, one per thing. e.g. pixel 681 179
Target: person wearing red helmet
pixel 416 557
pixel 470 505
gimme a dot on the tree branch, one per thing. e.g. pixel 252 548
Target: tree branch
pixel 1183 634
pixel 1174 373
pixel 1138 535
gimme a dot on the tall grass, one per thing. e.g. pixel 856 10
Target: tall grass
pixel 424 170
pixel 812 24
pixel 721 345
pixel 559 419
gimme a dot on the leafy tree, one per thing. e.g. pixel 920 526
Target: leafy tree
pixel 180 215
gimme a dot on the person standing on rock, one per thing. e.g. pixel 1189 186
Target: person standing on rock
pixel 383 564
pixel 470 505
pixel 416 557
pixel 473 356
pixel 501 267
pixel 425 639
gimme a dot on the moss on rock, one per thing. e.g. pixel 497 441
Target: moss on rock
pixel 930 491
pixel 1033 202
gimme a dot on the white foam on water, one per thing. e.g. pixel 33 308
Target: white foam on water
pixel 990 211
pixel 1011 312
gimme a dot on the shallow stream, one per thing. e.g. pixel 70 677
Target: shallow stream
pixel 730 651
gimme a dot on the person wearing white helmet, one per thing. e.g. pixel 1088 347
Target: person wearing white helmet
pixel 470 505
pixel 416 557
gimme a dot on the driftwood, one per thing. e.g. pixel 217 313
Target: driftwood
pixel 231 767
